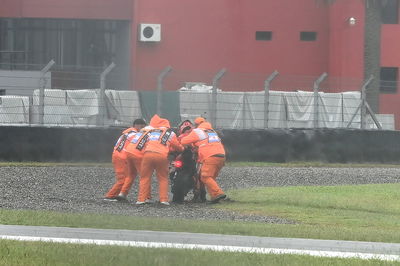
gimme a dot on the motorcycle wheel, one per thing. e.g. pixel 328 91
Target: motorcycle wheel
pixel 178 189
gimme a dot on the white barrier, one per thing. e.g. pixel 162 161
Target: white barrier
pixel 245 110
pixel 235 110
pixel 14 110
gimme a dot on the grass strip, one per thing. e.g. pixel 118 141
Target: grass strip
pixel 365 212
pixel 34 253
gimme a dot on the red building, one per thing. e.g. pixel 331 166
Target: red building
pixel 301 38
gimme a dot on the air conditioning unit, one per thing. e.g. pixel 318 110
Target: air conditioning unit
pixel 150 32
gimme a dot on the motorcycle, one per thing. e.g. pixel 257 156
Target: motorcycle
pixel 184 174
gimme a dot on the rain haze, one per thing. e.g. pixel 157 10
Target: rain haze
pixel 241 113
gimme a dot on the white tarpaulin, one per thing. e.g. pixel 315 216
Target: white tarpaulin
pixel 300 106
pixel 123 106
pixel 351 101
pixel 14 109
pixel 234 109
pixel 67 107
pixel 286 109
pixel 386 121
pixel 55 110
pixel 81 107
pixel 51 97
pixel 194 104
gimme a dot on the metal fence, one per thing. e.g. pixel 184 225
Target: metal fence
pixel 53 97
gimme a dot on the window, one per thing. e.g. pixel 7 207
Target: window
pixel 263 35
pixel 80 48
pixel 2 92
pixel 308 36
pixel 390 12
pixel 71 43
pixel 388 82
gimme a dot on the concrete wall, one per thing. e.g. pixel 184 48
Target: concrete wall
pixel 326 145
pixel 57 144
pixel 96 145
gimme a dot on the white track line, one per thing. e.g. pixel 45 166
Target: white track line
pixel 332 254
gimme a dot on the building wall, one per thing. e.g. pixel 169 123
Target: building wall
pixel 205 36
pixel 209 35
pixel 89 9
pixel 346 43
pixel 390 57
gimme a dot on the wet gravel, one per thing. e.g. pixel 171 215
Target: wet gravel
pixel 81 189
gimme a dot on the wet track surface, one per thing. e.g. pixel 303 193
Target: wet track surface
pixel 81 189
pixel 215 242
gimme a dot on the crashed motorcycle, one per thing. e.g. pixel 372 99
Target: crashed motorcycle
pixel 184 174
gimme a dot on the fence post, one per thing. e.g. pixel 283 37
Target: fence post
pixel 215 80
pixel 244 110
pixel 267 85
pixel 363 116
pixel 42 85
pixel 316 100
pixel 286 108
pixel 102 94
pixel 160 80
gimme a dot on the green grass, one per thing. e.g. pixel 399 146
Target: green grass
pixel 360 213
pixel 31 253
pixel 352 205
pixel 368 211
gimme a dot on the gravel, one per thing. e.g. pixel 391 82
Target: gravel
pixel 81 189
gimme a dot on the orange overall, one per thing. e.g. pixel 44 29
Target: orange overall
pixel 160 141
pixel 211 155
pixel 135 151
pixel 124 175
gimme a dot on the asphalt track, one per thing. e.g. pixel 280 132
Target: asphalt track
pixel 228 243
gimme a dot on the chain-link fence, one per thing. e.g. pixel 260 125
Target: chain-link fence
pixel 49 96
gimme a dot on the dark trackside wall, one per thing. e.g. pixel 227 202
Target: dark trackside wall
pixel 273 145
pixel 43 144
pixel 325 145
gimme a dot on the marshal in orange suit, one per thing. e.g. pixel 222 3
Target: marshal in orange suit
pixel 211 154
pixel 161 140
pixel 124 175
